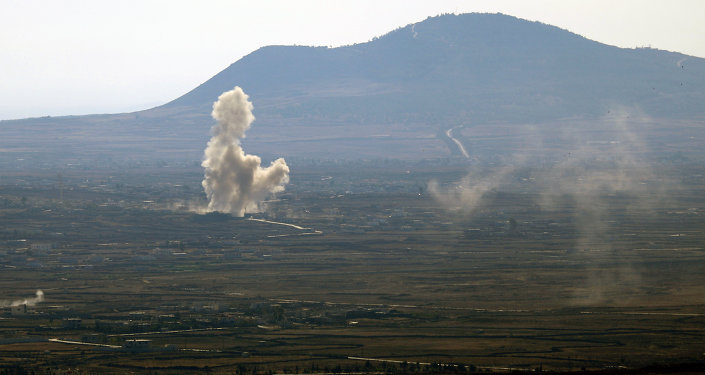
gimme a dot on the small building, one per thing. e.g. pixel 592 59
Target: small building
pixel 167 318
pixel 18 310
pixel 94 338
pixel 137 315
pixel 137 344
pixel 72 323
pixel 41 247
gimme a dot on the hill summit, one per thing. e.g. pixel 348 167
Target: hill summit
pixel 490 67
pixel 396 96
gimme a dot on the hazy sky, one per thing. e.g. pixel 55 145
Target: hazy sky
pixel 78 57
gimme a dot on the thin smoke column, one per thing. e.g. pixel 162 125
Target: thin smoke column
pixel 234 181
pixel 39 297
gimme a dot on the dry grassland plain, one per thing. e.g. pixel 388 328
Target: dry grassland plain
pixel 378 276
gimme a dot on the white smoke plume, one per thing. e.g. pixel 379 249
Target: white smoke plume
pixel 592 177
pixel 235 182
pixel 27 301
pixel 467 196
pixel 601 181
pixel 597 170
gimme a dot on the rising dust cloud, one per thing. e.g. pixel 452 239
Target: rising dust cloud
pixel 598 166
pixel 235 182
pixel 27 301
pixel 468 195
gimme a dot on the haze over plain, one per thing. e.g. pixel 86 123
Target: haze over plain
pixel 398 96
pixel 475 189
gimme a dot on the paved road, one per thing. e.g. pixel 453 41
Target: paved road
pixel 449 134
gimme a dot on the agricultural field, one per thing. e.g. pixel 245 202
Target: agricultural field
pixel 349 270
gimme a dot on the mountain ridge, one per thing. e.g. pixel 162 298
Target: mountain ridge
pixel 395 95
pixel 485 53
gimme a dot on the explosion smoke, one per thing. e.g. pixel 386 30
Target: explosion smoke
pixel 468 195
pixel 601 177
pixel 234 181
pixel 27 301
